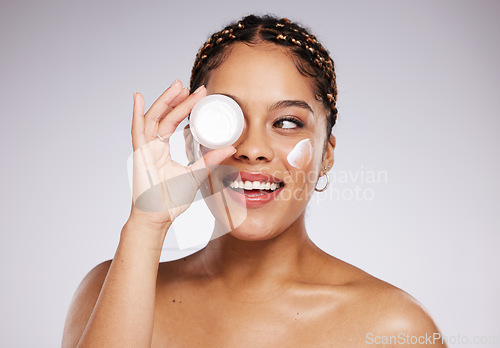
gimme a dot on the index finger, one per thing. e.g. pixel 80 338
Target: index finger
pixel 160 106
pixel 168 125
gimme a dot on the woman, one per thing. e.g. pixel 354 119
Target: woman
pixel 265 283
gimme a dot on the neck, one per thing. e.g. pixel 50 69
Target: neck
pixel 259 265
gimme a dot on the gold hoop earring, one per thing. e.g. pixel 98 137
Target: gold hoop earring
pixel 327 181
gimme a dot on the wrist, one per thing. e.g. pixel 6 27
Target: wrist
pixel 155 221
pixel 145 231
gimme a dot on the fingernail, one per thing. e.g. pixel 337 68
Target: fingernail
pixel 199 89
pixel 173 83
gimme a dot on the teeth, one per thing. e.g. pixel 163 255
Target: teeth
pixel 254 185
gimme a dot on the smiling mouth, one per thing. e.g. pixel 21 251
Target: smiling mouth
pixel 253 188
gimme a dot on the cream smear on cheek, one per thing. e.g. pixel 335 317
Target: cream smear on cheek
pixel 301 154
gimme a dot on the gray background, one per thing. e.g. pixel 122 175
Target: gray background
pixel 418 101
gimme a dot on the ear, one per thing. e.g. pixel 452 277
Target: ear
pixel 188 138
pixel 328 158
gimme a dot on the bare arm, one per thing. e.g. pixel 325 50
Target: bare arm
pixel 115 307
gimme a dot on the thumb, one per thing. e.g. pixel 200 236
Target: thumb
pixel 201 168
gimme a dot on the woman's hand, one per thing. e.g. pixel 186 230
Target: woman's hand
pixel 162 189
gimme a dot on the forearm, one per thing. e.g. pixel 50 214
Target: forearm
pixel 124 312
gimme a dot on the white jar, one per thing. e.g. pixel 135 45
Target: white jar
pixel 216 121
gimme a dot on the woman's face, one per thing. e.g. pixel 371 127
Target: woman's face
pixel 282 142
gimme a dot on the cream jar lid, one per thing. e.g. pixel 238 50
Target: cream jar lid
pixel 216 121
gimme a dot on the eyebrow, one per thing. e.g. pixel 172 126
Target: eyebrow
pixel 291 103
pixel 280 104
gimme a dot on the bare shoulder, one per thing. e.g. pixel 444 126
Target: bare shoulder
pixel 397 318
pixel 383 313
pixel 83 303
pixel 394 310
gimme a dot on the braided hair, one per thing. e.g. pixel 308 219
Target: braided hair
pixel 310 57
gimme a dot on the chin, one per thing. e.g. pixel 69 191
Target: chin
pixel 253 233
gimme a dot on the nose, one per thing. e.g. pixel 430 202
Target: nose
pixel 253 145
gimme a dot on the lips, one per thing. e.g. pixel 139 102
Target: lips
pixel 253 189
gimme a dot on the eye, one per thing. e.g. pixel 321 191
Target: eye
pixel 288 122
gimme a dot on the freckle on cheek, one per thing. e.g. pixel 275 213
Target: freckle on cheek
pixel 301 154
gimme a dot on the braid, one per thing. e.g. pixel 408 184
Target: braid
pixel 310 47
pixel 211 45
pixel 311 58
